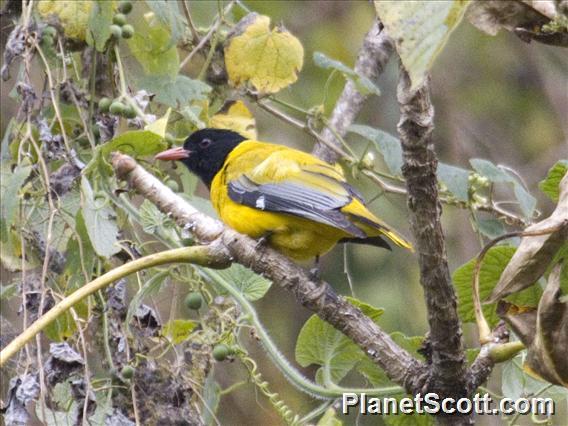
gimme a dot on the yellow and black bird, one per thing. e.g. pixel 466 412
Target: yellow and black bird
pixel 301 205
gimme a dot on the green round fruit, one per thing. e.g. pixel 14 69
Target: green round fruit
pixel 115 31
pixel 127 372
pixel 221 352
pixel 49 31
pixel 117 108
pixel 193 300
pixel 119 19
pixel 173 185
pixel 129 112
pixel 125 7
pixel 104 104
pixel 127 31
pixel 47 40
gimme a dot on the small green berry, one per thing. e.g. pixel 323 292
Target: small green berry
pixel 193 300
pixel 221 352
pixel 127 372
pixel 49 31
pixel 127 31
pixel 119 19
pixel 125 7
pixel 47 40
pixel 104 104
pixel 117 108
pixel 116 31
pixel 129 112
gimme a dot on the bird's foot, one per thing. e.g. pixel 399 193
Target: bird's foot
pixel 315 273
pixel 263 241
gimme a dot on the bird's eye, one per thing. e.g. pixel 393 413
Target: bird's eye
pixel 204 143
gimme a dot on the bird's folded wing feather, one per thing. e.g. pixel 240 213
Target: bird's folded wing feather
pixel 310 190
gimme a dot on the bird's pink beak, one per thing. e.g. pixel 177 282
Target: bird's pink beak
pixel 177 153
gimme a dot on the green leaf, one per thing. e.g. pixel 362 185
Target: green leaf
pixel 362 83
pixel 100 20
pixel 210 400
pixel 329 418
pixel 492 267
pixel 176 92
pixel 79 245
pixel 136 143
pixel 490 171
pixel 516 383
pixel 408 419
pixel 178 330
pixel 151 46
pixel 492 228
pixel 420 30
pixel 525 199
pixel 8 291
pixel 499 175
pixel 10 183
pixel 386 144
pixel 100 223
pixel 456 180
pixel 551 184
pixel 321 344
pixel 253 286
pixel 151 218
pixel 374 374
pixel 170 16
pixel 152 286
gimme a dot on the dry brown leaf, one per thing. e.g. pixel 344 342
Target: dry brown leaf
pixel 535 253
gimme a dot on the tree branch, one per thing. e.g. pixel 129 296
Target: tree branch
pixel 371 60
pixel 415 127
pixel 319 297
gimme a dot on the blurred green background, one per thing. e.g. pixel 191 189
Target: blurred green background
pixel 495 98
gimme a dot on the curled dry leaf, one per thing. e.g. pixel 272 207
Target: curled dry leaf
pixel 234 115
pixel 265 60
pixel 524 18
pixel 535 253
pixel 544 331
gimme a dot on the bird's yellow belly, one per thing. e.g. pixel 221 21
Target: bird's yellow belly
pixel 293 236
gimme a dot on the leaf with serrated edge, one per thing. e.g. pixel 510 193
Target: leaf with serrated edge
pixel 268 60
pixel 321 344
pixel 252 285
pixel 551 184
pixel 492 266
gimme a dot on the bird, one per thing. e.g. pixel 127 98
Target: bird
pixel 296 203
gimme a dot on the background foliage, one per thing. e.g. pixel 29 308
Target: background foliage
pixel 498 101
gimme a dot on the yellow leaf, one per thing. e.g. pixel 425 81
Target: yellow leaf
pixel 73 15
pixel 234 115
pixel 420 30
pixel 159 126
pixel 268 60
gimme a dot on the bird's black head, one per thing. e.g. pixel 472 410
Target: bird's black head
pixel 204 152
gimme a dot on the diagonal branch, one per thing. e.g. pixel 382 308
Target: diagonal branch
pixel 373 56
pixel 319 297
pixel 420 162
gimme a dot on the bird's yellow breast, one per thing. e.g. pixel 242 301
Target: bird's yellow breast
pixel 294 236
